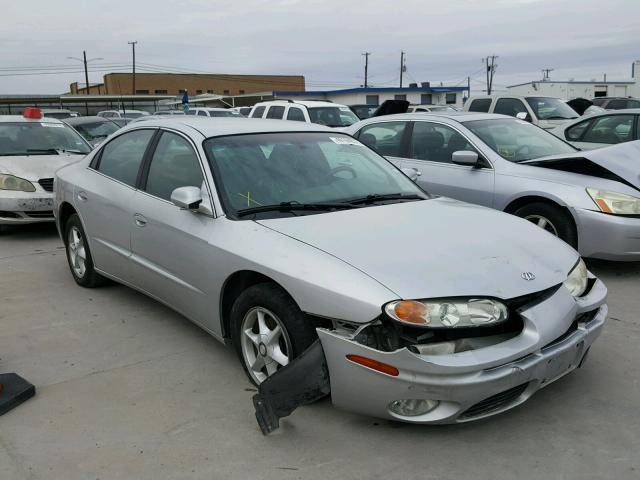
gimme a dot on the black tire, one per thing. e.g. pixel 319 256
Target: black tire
pixel 560 222
pixel 87 278
pixel 273 299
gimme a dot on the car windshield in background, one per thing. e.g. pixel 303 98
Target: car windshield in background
pixel 39 138
pixel 333 116
pixel 96 130
pixel 364 111
pixel 547 108
pixel 259 170
pixel 517 140
pixel 132 114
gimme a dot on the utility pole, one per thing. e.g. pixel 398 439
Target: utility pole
pixel 133 48
pixel 468 87
pixel 545 73
pixel 86 72
pixel 403 67
pixel 366 67
pixel 491 67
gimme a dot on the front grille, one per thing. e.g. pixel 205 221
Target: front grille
pixel 46 183
pixel 41 214
pixel 495 402
pixel 8 214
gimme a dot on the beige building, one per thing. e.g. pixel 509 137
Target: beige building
pixel 195 84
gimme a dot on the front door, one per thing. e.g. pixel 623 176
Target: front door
pixel 431 146
pixel 171 255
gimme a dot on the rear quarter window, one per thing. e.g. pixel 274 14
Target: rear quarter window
pixel 480 105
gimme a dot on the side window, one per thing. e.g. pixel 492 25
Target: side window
pixel 174 164
pixel 385 138
pixel 295 114
pixel 202 113
pixel 480 105
pixel 610 129
pixel 257 113
pixel 436 143
pixel 574 133
pixel 121 157
pixel 275 112
pixel 509 106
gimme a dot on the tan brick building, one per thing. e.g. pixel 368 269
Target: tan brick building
pixel 196 84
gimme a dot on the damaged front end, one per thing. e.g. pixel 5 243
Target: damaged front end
pixel 420 375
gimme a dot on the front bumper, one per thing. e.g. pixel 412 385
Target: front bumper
pixel 25 207
pixel 609 237
pixel 474 384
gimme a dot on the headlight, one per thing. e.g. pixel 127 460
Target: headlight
pixel 613 202
pixel 576 282
pixel 9 182
pixel 448 313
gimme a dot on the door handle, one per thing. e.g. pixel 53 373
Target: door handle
pixel 82 196
pixel 139 220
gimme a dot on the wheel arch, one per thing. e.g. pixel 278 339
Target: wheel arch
pixel 64 212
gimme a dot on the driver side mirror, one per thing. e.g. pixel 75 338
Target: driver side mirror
pixel 188 198
pixel 465 157
pixel 523 116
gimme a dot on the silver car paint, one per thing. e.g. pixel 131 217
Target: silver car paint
pixel 342 265
pixel 505 182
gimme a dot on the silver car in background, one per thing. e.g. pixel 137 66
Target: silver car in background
pixel 589 199
pixel 272 234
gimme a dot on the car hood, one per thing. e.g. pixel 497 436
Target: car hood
pixel 437 248
pixel 622 159
pixel 33 167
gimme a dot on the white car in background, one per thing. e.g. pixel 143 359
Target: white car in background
pixel 213 112
pixel 545 112
pixel 601 130
pixel 128 114
pixel 32 148
pixel 430 108
pixel 310 111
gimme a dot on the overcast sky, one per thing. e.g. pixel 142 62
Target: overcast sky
pixel 444 40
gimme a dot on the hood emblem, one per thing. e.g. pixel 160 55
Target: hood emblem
pixel 528 276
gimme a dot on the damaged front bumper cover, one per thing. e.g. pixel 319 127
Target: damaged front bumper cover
pixel 462 386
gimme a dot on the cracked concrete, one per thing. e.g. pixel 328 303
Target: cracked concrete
pixel 129 389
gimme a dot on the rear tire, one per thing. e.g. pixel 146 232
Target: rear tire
pixel 553 219
pixel 268 330
pixel 79 255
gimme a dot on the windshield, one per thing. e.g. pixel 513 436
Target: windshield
pixel 333 116
pixel 364 111
pixel 547 108
pixel 96 130
pixel 129 114
pixel 39 138
pixel 306 168
pixel 517 140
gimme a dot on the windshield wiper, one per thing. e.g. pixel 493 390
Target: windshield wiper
pixel 381 197
pixel 52 151
pixel 291 206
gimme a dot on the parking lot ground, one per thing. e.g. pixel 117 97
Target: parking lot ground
pixel 126 388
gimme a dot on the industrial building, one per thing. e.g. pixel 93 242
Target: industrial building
pixel 570 89
pixel 414 94
pixel 196 84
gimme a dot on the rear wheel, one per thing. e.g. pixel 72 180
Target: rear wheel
pixel 553 219
pixel 269 330
pixel 79 255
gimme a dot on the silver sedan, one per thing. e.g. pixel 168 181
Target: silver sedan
pixel 589 199
pixel 283 238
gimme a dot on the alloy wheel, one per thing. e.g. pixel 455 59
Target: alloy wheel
pixel 77 252
pixel 543 223
pixel 266 346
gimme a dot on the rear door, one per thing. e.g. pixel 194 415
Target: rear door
pixel 170 245
pixel 386 138
pixel 431 146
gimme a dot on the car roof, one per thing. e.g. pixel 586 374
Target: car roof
pixel 306 103
pixel 456 116
pixel 21 119
pixel 219 126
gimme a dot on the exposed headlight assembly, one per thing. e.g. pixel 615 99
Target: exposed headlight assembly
pixel 613 202
pixel 576 282
pixel 448 312
pixel 9 182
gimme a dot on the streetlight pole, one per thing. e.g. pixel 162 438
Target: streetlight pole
pixel 133 48
pixel 86 74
